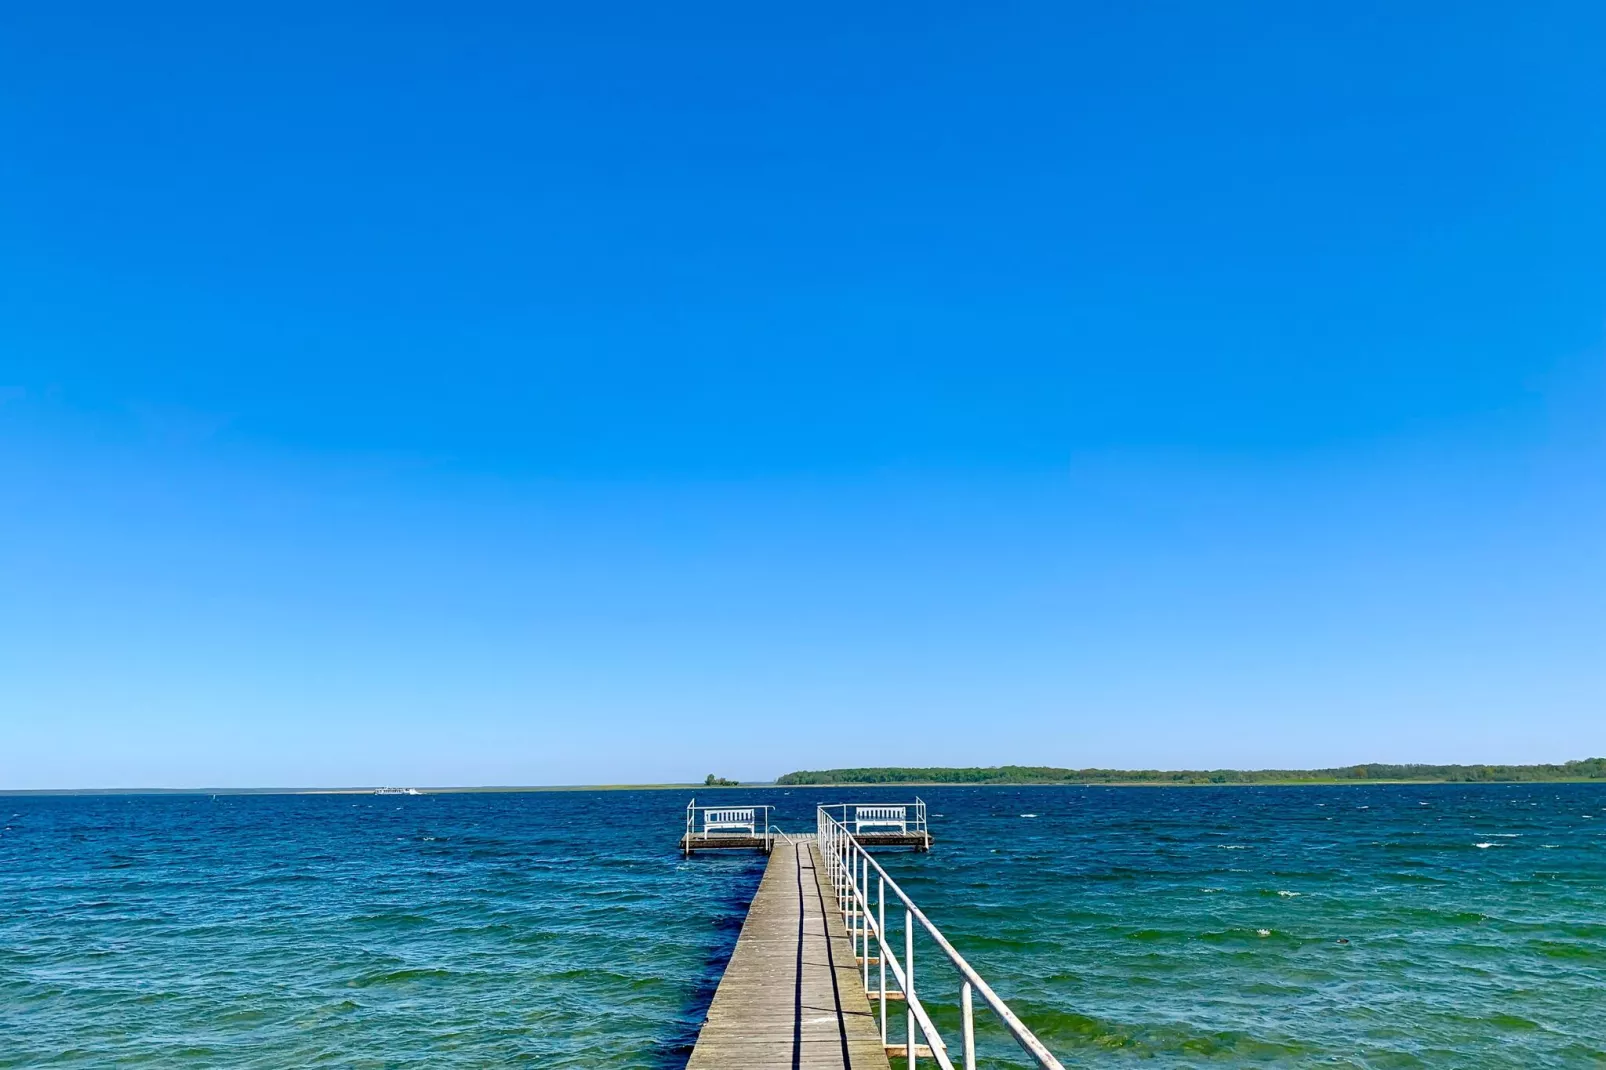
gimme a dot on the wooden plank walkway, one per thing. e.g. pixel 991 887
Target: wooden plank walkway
pixel 791 996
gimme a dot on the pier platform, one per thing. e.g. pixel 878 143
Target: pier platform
pixel 791 996
pixel 691 842
pixel 920 841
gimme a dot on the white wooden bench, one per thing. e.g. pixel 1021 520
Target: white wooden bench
pixel 735 820
pixel 881 817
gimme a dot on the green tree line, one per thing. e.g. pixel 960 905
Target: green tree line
pixel 1586 769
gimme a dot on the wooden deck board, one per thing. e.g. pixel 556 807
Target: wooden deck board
pixel 791 996
pixel 726 842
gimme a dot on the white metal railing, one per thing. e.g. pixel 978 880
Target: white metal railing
pixel 906 819
pixel 706 826
pixel 851 870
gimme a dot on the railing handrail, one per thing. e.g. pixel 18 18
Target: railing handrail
pixel 692 809
pixel 834 836
pixel 730 806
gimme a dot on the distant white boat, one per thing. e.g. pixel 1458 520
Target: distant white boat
pixel 397 791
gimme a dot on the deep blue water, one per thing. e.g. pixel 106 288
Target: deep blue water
pixel 1363 926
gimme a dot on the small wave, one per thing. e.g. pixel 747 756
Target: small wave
pixel 391 919
pixel 1259 932
pixel 1154 935
pixel 1028 815
pixel 399 977
pixel 1289 895
pixel 1486 845
pixel 1232 846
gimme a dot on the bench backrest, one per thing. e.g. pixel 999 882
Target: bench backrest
pixel 881 815
pixel 727 818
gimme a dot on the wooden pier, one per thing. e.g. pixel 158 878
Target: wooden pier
pixel 791 996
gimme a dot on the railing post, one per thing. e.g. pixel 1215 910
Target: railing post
pixel 909 983
pixel 969 1027
pixel 882 947
pixel 836 871
pixel 847 878
pixel 839 876
pixel 865 890
pixel 853 900
pixel 836 875
pixel 860 900
pixel 853 895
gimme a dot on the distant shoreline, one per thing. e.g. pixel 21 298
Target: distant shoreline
pixel 754 785
pixel 1584 770
pixel 473 790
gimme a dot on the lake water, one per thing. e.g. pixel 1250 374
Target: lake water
pixel 1355 926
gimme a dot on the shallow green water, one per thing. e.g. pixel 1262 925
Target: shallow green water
pixel 1157 927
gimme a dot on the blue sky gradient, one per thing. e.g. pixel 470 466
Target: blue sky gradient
pixel 478 394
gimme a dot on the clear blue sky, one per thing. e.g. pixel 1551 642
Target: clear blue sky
pixel 503 394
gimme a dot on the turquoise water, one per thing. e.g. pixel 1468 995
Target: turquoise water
pixel 1301 927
